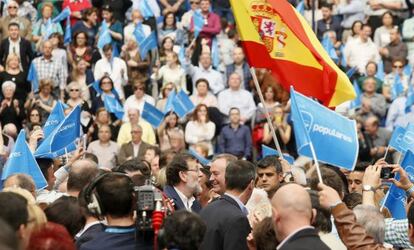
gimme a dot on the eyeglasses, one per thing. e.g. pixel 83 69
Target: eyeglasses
pixel 12 7
pixel 34 115
pixel 74 90
pixel 194 170
pixel 139 88
pixel 397 66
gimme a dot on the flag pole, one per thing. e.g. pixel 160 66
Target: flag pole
pixel 269 121
pixel 318 170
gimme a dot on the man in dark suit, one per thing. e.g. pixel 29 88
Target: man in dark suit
pixel 292 215
pixel 136 148
pixel 18 45
pixel 226 218
pixel 182 182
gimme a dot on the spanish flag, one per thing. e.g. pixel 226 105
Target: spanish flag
pixel 275 36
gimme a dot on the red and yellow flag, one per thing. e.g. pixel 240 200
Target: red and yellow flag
pixel 275 36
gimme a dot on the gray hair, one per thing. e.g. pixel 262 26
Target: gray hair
pixel 372 220
pixel 7 84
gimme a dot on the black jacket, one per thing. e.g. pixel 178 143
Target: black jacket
pixel 170 192
pixel 305 239
pixel 26 54
pixel 227 225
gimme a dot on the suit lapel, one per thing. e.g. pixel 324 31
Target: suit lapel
pixel 170 192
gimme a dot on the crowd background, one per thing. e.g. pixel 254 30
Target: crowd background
pixel 228 122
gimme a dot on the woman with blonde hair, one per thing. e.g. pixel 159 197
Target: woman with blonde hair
pixel 13 72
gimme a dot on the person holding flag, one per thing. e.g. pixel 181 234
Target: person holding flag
pixel 114 26
pixel 44 27
pixel 211 26
pixel 396 81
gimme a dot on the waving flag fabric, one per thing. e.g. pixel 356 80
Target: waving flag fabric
pixel 32 78
pixel 275 36
pixel 56 116
pixel 198 21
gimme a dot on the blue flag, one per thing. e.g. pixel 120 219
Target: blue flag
pixel 215 53
pixel 410 99
pixel 301 7
pixel 113 106
pixel 329 47
pixel 380 71
pixel 408 70
pixel 396 140
pixel 145 9
pixel 395 200
pixel 104 35
pixel 343 58
pixel 268 151
pixel 169 104
pixel 182 104
pixel 356 103
pixel 63 136
pixel 99 91
pixel 56 116
pixel 397 87
pixel 351 72
pixel 149 43
pixel 200 158
pixel 139 33
pixel 32 78
pixel 68 32
pixel 152 115
pixel 48 29
pixel 328 131
pixel 198 22
pixel 62 15
pixel 21 160
pixel 181 56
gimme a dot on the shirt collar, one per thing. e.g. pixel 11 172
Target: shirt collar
pixel 186 201
pixel 18 40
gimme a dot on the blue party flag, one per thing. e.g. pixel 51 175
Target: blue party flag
pixel 68 32
pixel 99 91
pixel 410 99
pixel 357 102
pixel 139 33
pixel 21 160
pixel 198 21
pixel 56 116
pixel 182 105
pixel 343 58
pixel 397 138
pixel 328 132
pixel 301 7
pixel 351 72
pixel 48 29
pixel 200 158
pixel 152 115
pixel 380 71
pixel 145 9
pixel 112 105
pixel 104 35
pixel 62 15
pixel 268 151
pixel 215 53
pixel 149 43
pixel 63 137
pixel 408 69
pixel 397 87
pixel 32 77
pixel 181 56
pixel 169 103
pixel 329 47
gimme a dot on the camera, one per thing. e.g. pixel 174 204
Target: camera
pixel 386 173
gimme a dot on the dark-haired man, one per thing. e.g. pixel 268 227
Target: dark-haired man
pixel 226 218
pixel 182 178
pixel 269 175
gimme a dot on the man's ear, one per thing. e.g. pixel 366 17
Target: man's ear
pixel 183 176
pixel 313 219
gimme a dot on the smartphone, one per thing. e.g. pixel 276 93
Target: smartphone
pixel 386 173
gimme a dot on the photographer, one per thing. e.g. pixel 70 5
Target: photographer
pixel 112 196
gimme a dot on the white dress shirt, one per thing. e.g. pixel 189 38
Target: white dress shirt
pixel 188 202
pixel 133 102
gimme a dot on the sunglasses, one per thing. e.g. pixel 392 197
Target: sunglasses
pixel 34 114
pixel 12 7
pixel 397 66
pixel 74 90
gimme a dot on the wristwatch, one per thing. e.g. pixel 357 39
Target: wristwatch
pixel 368 188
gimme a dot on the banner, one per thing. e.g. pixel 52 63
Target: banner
pixel 152 115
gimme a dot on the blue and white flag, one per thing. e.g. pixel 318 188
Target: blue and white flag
pixel 169 104
pixel 99 91
pixel 396 200
pixel 113 106
pixel 152 115
pixel 146 45
pixel 63 137
pixel 104 35
pixel 268 151
pixel 182 105
pixel 145 9
pixel 198 22
pixel 139 33
pixel 397 139
pixel 328 131
pixel 21 160
pixel 200 158
pixel 404 142
pixel 62 15
pixel 351 72
pixel 380 71
pixel 408 70
pixel 48 29
pixel 301 7
pixel 32 77
pixel 343 58
pixel 329 47
pixel 397 87
pixel 215 53
pixel 410 99
pixel 181 56
pixel 56 116
pixel 357 102
pixel 68 32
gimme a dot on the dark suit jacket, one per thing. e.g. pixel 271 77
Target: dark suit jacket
pixel 89 234
pixel 178 203
pixel 305 239
pixel 26 53
pixel 127 150
pixel 227 225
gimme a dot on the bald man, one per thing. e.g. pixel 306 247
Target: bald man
pixel 292 215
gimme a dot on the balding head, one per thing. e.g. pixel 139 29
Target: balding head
pixel 81 174
pixel 292 209
pixel 23 181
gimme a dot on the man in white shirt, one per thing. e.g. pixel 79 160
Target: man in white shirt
pixel 358 52
pixel 105 149
pixel 205 70
pixel 137 100
pixel 235 97
pixel 115 67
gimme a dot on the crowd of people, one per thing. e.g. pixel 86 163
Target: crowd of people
pixel 218 191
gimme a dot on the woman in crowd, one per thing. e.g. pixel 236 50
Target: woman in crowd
pixel 137 67
pixel 106 85
pixel 170 29
pixel 270 103
pixel 79 49
pixel 172 72
pixel 165 92
pixel 355 29
pixel 202 95
pixel 33 120
pixel 398 78
pixel 84 77
pixel 11 110
pixel 115 27
pixel 102 117
pixel 371 71
pixel 382 34
pixel 200 128
pixel 88 25
pixel 40 28
pixel 44 100
pixel 164 131
pixel 14 73
pixel 167 46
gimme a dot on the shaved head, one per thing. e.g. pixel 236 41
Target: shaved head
pixel 292 209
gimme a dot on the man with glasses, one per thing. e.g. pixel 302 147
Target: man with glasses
pixel 124 135
pixel 25 26
pixel 183 185
pixel 137 100
pixel 136 148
